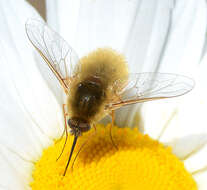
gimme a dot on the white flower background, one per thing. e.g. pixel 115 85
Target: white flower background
pixel 161 35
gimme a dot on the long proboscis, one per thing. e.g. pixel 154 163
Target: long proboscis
pixel 71 153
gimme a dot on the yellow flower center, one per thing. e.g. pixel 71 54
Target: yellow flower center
pixel 140 163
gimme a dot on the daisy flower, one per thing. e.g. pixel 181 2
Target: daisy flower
pixel 154 36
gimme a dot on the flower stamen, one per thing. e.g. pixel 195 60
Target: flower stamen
pixel 139 163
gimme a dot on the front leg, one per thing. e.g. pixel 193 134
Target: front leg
pixel 112 124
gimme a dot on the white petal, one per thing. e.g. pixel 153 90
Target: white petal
pixel 182 53
pixel 147 35
pixel 139 28
pixel 191 111
pixel 158 117
pixel 189 145
pixel 197 161
pixel 52 13
pixel 192 150
pixel 186 37
pixel 20 71
pixel 88 24
pixel 30 114
pixel 15 173
pixel 201 180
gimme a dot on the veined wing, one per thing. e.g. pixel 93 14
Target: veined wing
pixel 56 52
pixel 142 87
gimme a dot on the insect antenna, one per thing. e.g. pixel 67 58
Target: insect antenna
pixel 71 152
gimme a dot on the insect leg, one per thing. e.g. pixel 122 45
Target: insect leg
pixel 110 132
pixel 65 131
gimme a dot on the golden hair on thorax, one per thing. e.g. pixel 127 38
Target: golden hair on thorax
pixel 102 67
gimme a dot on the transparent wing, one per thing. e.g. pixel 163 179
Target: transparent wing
pixel 142 87
pixel 56 52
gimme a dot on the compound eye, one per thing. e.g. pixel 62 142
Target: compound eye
pixel 72 123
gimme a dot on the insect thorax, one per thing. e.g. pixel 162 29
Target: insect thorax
pixel 88 96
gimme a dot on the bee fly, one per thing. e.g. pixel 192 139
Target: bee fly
pixel 99 83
